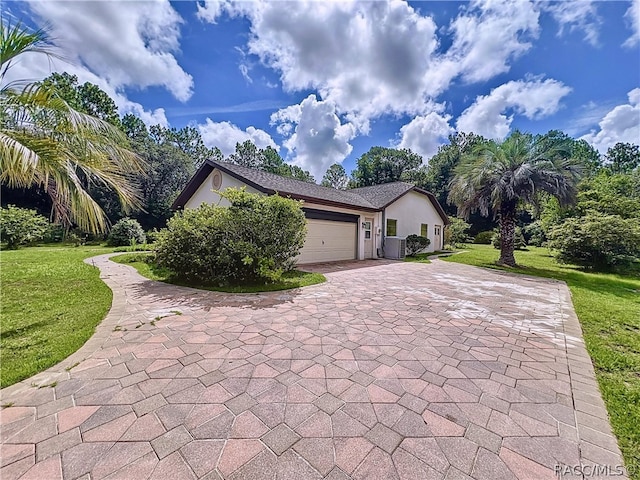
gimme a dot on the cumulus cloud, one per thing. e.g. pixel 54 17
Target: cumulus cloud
pixel 621 124
pixel 490 34
pixel 633 17
pixel 425 133
pixel 378 58
pixel 316 138
pixel 491 115
pixel 225 135
pixel 129 44
pixel 576 15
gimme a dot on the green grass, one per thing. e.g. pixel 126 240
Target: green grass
pixel 51 304
pixel 293 279
pixel 419 258
pixel 608 306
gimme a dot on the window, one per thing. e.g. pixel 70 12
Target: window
pixel 436 230
pixel 392 227
pixel 424 229
pixel 367 230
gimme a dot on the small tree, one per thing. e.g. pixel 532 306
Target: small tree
pixel 597 241
pixel 125 232
pixel 20 226
pixel 455 234
pixel 415 244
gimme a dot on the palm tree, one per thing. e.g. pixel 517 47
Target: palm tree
pixel 46 143
pixel 498 177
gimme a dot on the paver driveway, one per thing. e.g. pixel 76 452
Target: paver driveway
pixel 389 370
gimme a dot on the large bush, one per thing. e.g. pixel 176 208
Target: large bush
pixel 125 232
pixel 455 234
pixel 415 244
pixel 20 226
pixel 483 238
pixel 255 239
pixel 597 241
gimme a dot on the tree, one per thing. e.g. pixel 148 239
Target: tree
pixel 188 140
pixel 497 177
pixel 169 168
pixel 579 150
pixel 335 177
pixel 45 142
pixel 623 158
pixel 267 159
pixel 86 98
pixel 384 165
pixel 247 155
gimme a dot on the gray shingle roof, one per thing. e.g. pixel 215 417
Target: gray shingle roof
pixel 372 198
pixel 382 195
pixel 296 188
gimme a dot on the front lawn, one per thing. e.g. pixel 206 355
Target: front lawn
pixel 608 306
pixel 294 279
pixel 51 304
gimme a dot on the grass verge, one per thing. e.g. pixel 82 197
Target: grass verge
pixel 294 279
pixel 608 306
pixel 51 304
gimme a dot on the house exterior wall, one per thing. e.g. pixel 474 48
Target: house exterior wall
pixel 376 231
pixel 206 193
pixel 412 210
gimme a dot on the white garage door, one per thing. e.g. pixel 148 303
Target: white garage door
pixel 328 241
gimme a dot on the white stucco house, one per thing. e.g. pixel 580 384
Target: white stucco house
pixel 341 224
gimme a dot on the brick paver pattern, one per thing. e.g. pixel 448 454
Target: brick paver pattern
pixel 389 370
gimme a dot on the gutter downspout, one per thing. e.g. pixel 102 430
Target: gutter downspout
pixel 383 230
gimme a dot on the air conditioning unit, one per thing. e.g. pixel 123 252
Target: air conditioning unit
pixel 394 247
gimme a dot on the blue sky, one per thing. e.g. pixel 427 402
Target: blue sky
pixel 325 81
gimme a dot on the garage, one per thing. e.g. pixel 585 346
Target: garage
pixel 329 239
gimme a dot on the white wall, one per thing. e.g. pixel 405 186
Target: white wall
pixel 206 194
pixel 410 211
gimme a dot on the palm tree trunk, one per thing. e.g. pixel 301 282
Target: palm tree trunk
pixel 507 230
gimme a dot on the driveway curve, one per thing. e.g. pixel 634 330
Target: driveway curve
pixel 389 370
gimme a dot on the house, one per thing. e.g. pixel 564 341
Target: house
pixel 341 224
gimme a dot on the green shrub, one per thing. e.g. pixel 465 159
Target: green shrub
pixel 483 238
pixel 519 243
pixel 455 234
pixel 415 244
pixel 255 239
pixel 152 235
pixel 534 234
pixel 21 226
pixel 126 231
pixel 597 241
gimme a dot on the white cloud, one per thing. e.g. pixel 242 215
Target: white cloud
pixel 225 135
pixel 34 67
pixel 491 115
pixel 621 124
pixel 489 34
pixel 129 44
pixel 425 133
pixel 379 58
pixel 316 136
pixel 577 15
pixel 633 17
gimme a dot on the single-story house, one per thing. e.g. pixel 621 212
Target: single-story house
pixel 341 224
